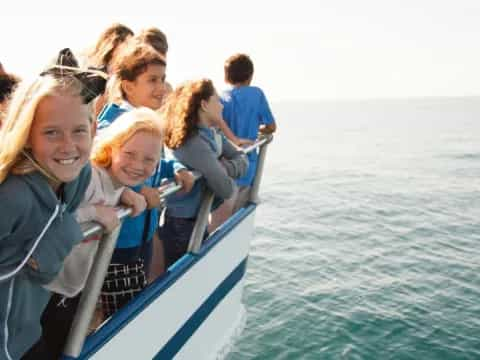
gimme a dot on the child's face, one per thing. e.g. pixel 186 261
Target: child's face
pixel 61 136
pixel 148 89
pixel 135 161
pixel 213 109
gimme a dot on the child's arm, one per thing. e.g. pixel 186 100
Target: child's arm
pixel 200 156
pixel 92 207
pixel 152 197
pixel 174 169
pixel 86 210
pixel 266 117
pixel 134 200
pixel 107 217
pixel 268 128
pixel 186 179
pixel 234 161
pixel 222 125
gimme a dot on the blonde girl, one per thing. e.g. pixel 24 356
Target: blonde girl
pixel 125 154
pixel 45 143
pixel 138 81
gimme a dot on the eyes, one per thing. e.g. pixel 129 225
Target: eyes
pixel 51 133
pixel 54 133
pixel 147 160
pixel 155 79
pixel 81 130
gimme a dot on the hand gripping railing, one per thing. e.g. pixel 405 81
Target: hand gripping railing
pixel 93 286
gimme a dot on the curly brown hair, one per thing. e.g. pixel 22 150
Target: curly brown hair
pixel 180 111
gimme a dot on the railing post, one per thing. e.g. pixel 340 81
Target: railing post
pixel 254 198
pixel 201 223
pixel 90 294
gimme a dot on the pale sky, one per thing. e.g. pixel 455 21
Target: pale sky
pixel 302 50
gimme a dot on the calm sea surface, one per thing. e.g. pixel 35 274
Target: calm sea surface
pixel 367 242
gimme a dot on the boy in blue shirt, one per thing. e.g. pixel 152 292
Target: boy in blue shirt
pixel 246 113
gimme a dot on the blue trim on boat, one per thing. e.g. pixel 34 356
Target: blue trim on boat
pixel 226 228
pixel 173 346
pixel 120 319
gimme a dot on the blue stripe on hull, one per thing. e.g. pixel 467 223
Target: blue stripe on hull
pixel 173 346
pixel 95 342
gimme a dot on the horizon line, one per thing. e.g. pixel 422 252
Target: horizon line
pixel 380 98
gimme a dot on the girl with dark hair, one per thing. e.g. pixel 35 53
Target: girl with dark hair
pixel 192 113
pixel 137 81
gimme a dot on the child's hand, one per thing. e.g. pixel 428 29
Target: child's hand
pixel 107 217
pixel 243 142
pixel 186 179
pixel 152 196
pixel 133 200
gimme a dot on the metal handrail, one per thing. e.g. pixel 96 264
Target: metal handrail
pixel 170 188
pixel 201 223
pixel 259 173
pixel 93 286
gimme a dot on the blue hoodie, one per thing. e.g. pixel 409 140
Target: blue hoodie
pixel 131 239
pixel 33 208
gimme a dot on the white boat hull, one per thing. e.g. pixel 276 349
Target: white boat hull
pixel 190 312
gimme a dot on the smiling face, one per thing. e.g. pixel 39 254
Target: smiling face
pixel 61 136
pixel 135 160
pixel 148 89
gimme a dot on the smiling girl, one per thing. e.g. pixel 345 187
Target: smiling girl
pixel 138 81
pixel 45 145
pixel 125 154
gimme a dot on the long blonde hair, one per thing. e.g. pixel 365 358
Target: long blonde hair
pixel 123 129
pixel 16 128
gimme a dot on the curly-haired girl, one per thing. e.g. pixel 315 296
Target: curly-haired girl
pixel 191 113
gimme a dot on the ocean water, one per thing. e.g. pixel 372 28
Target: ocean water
pixel 367 242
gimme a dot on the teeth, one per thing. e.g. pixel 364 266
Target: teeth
pixel 66 161
pixel 132 174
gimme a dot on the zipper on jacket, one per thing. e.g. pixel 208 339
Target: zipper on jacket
pixel 63 208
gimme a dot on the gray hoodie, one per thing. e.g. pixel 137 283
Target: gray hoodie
pixel 30 209
pixel 220 162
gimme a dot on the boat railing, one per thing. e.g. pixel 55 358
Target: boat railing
pixel 93 286
pixel 201 223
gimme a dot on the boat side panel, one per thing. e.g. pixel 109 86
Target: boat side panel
pixel 172 318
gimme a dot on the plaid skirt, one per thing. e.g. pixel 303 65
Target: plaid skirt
pixel 122 283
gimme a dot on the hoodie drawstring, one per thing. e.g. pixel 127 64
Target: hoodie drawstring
pixel 37 241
